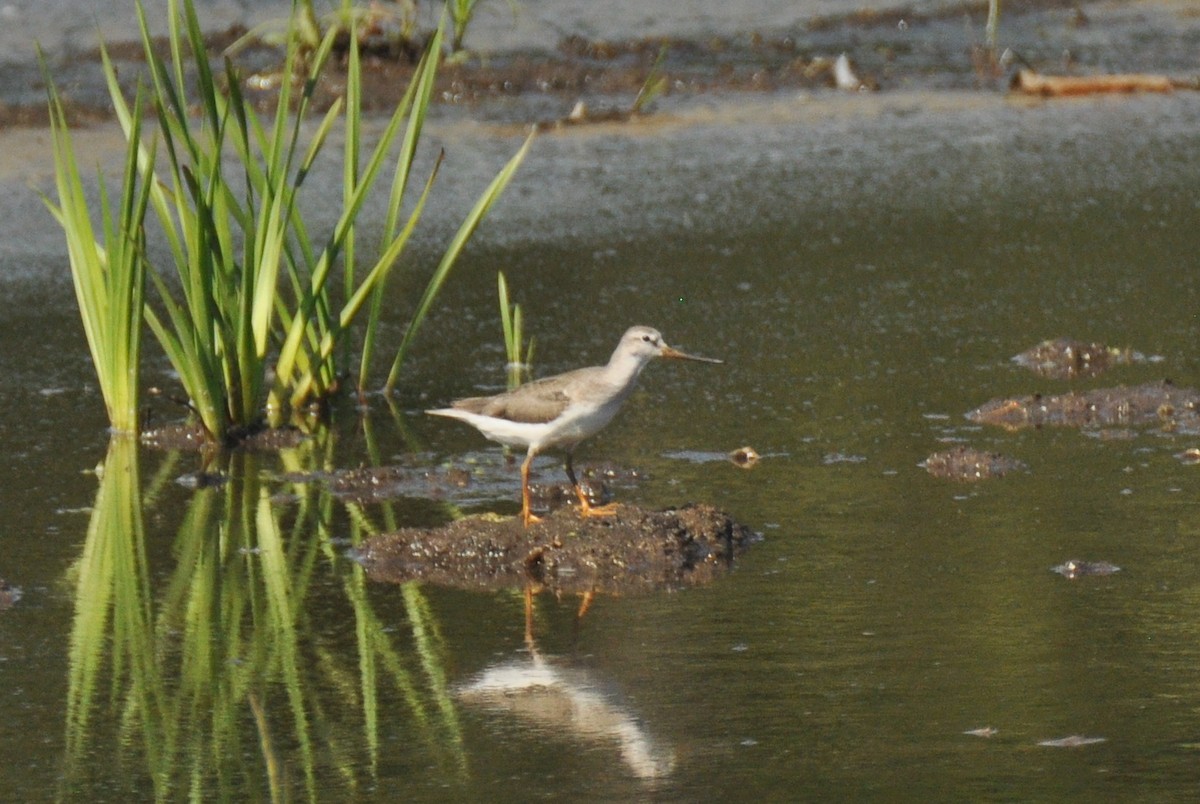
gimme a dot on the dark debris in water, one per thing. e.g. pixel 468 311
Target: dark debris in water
pixel 1074 741
pixel 268 439
pixel 202 480
pixel 968 465
pixel 1154 404
pixel 842 457
pixel 634 551
pixel 176 437
pixel 1074 568
pixel 9 594
pixel 1070 359
pixel 190 436
pixel 367 484
pixel 372 484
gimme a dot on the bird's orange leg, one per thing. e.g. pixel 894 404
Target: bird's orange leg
pixel 527 517
pixel 586 509
pixel 529 615
pixel 585 603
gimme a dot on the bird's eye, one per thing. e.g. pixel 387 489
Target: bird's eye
pixel 646 338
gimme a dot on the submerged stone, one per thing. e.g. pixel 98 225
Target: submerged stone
pixel 968 465
pixel 744 457
pixel 1069 359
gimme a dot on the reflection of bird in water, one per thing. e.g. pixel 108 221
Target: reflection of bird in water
pixel 563 410
pixel 567 700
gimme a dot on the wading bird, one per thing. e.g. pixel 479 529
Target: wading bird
pixel 563 410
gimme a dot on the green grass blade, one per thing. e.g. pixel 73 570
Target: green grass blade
pixel 369 288
pixel 108 276
pixel 468 227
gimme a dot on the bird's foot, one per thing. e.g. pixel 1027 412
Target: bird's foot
pixel 586 509
pixel 527 518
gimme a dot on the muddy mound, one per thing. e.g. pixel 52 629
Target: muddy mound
pixel 634 551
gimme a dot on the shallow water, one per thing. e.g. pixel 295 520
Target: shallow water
pixel 866 266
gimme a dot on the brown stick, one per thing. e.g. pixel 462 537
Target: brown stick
pixel 1056 86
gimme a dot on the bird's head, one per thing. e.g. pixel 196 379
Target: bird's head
pixel 646 343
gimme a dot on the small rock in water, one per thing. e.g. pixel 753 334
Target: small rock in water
pixel 970 465
pixel 745 457
pixel 1189 456
pixel 1074 741
pixel 1075 568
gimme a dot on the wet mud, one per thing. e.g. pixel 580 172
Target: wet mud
pixel 1152 405
pixel 603 71
pixel 635 551
pixel 900 47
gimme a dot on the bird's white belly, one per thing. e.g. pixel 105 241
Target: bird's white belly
pixel 578 423
pixel 503 431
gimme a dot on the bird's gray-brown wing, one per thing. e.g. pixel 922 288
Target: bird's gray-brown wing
pixel 534 402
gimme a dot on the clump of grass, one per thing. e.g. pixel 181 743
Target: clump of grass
pixel 251 325
pixel 392 27
pixel 107 270
pixel 374 22
pixel 655 84
pixel 489 197
pixel 232 225
pixel 513 327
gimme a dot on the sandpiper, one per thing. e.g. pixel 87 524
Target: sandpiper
pixel 563 410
